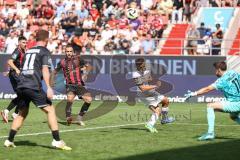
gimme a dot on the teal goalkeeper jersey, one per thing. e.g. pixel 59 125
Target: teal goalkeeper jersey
pixel 229 84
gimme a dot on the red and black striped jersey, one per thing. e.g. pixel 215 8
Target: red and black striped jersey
pixel 71 68
pixel 17 57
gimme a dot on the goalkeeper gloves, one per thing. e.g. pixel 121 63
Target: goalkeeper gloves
pixel 190 94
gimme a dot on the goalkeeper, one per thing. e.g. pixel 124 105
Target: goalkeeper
pixel 228 83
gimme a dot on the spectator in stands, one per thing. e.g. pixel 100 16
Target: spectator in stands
pixel 215 3
pixel 88 23
pixel 217 40
pixel 188 10
pixel 99 44
pixel 165 7
pixel 11 42
pixel 4 30
pixel 124 46
pixel 135 46
pixel 148 45
pixel 193 36
pixel 202 30
pixel 23 12
pixel 10 21
pixel 31 41
pixel 7 10
pixel 177 11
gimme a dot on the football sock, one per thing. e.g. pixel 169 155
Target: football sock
pixel 55 135
pixel 12 134
pixel 12 104
pixel 164 113
pixel 153 119
pixel 68 109
pixel 84 108
pixel 211 119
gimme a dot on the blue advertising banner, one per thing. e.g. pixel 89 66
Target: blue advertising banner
pixel 112 74
pixel 212 16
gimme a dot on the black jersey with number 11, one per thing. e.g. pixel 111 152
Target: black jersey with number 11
pixel 33 61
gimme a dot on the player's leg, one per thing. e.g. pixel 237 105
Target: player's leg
pixel 87 98
pixel 235 117
pixel 68 110
pixel 53 125
pixel 211 108
pixel 13 103
pixel 18 121
pixel 154 118
pixel 165 109
pixel 16 125
pixel 39 98
pixel 233 108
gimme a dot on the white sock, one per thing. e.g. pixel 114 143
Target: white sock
pixel 153 119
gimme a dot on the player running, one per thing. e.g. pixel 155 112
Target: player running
pixel 35 68
pixel 150 97
pixel 75 71
pixel 15 63
pixel 228 83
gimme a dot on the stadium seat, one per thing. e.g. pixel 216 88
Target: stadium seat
pixel 175 39
pixel 236 45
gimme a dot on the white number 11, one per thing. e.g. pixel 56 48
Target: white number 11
pixel 29 62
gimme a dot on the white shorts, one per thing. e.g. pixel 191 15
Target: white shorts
pixel 152 101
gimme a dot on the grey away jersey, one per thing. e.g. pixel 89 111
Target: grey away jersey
pixel 31 73
pixel 141 79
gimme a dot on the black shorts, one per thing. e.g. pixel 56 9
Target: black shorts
pixel 38 97
pixel 78 90
pixel 14 80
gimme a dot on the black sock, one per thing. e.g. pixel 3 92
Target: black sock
pixel 16 109
pixel 13 103
pixel 12 134
pixel 68 109
pixel 55 135
pixel 84 108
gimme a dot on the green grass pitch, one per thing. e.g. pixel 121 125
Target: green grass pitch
pixel 120 135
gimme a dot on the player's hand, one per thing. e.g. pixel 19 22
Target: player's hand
pixel 5 74
pixel 49 93
pixel 84 78
pixel 190 94
pixel 17 71
pixel 158 84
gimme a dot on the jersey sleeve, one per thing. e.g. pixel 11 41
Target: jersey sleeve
pixel 14 55
pixel 137 78
pixel 46 58
pixel 218 84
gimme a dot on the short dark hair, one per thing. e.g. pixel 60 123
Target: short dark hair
pixel 220 65
pixel 139 62
pixel 22 38
pixel 42 35
pixel 69 45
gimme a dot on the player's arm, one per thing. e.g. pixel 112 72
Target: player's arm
pixel 11 64
pixel 54 73
pixel 205 90
pixel 200 91
pixel 144 88
pixel 46 74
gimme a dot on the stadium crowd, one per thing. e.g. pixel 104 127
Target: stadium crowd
pixel 96 26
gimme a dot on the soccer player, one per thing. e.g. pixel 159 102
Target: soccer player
pixel 75 71
pixel 35 68
pixel 150 97
pixel 15 63
pixel 228 83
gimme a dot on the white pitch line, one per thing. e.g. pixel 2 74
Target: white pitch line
pixel 116 126
pixel 73 130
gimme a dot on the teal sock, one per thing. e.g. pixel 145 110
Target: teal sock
pixel 211 119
